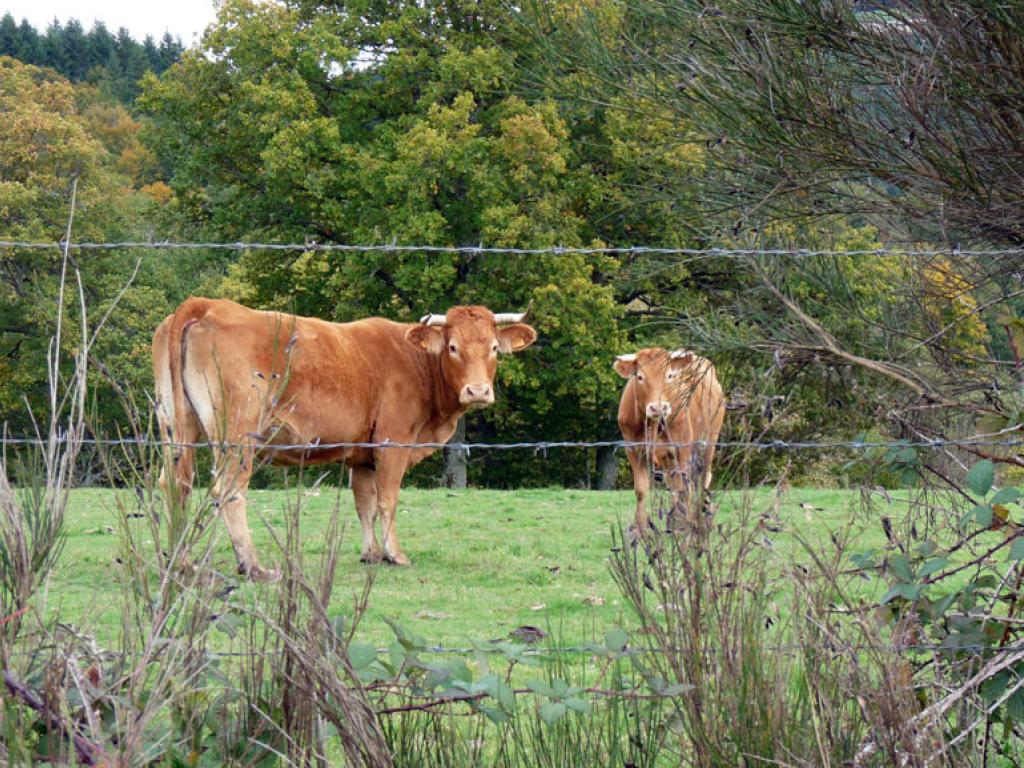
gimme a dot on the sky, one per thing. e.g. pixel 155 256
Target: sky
pixel 182 18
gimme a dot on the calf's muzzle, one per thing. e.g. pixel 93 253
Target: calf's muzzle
pixel 659 410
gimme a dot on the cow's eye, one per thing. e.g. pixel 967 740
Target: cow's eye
pixel 494 347
pixel 453 349
pixel 639 377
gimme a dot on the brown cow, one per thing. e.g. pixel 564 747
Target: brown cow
pixel 671 397
pixel 253 380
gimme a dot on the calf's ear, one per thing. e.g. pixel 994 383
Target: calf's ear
pixel 512 338
pixel 680 358
pixel 625 365
pixel 429 337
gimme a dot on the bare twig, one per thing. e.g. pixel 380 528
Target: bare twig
pixel 87 752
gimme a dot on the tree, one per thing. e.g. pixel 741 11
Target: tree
pixel 10 38
pixel 30 46
pixel 101 48
pixel 902 112
pixel 823 125
pixel 169 51
pixel 75 50
pixel 150 53
pixel 54 51
pixel 53 133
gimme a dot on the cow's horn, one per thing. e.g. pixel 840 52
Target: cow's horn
pixel 507 318
pixel 434 320
pixel 676 354
pixel 630 358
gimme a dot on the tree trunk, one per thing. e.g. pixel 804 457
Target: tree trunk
pixel 455 459
pixel 607 468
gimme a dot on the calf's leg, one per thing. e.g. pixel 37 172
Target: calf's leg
pixel 713 431
pixel 641 485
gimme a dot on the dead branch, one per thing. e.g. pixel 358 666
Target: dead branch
pixel 86 751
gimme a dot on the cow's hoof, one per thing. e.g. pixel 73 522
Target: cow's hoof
pixel 371 558
pixel 262 575
pixel 398 559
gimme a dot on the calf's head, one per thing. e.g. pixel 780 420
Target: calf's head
pixel 468 340
pixel 658 380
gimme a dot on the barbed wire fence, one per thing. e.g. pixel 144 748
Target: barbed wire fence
pixel 1001 439
pixel 1006 652
pixel 689 254
pixel 684 255
pixel 961 655
pixel 554 250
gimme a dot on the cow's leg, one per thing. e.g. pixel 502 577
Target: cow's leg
pixel 234 468
pixel 391 464
pixel 641 485
pixel 364 489
pixel 233 405
pixel 178 461
pixel 184 455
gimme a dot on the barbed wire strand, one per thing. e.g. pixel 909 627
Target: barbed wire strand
pixel 597 649
pixel 541 445
pixel 512 648
pixel 165 245
pixel 980 650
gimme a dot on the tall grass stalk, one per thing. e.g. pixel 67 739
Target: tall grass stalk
pixel 717 620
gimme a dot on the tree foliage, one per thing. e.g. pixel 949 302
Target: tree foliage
pixel 408 123
pixel 54 132
pixel 904 111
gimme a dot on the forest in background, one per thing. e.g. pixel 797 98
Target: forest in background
pixel 114 61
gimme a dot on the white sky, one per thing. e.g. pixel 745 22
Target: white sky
pixel 182 18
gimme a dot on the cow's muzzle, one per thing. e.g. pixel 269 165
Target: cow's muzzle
pixel 477 395
pixel 659 410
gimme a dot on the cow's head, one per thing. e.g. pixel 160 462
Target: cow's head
pixel 658 380
pixel 468 340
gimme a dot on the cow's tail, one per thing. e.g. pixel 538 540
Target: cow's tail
pixel 179 425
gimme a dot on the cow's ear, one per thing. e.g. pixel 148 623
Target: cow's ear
pixel 429 337
pixel 512 338
pixel 625 365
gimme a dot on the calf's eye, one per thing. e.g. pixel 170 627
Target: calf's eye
pixel 452 348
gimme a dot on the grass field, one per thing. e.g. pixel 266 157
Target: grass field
pixel 761 652
pixel 484 562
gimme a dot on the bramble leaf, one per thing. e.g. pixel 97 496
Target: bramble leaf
pixel 981 476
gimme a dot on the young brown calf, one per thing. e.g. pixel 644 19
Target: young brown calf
pixel 672 400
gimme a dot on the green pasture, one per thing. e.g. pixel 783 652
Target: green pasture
pixel 484 562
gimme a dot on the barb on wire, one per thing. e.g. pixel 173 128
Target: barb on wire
pixel 697 253
pixel 543 445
